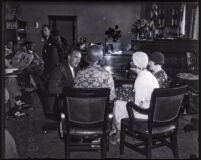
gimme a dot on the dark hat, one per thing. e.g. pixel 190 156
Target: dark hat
pixel 94 54
pixel 158 58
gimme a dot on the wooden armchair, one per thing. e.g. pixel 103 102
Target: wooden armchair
pixel 162 122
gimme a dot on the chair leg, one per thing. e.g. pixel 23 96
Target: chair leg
pixel 103 147
pixel 174 144
pixel 107 140
pixel 67 146
pixel 149 148
pixel 122 139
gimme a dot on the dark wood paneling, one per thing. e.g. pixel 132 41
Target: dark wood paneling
pixel 174 51
pixel 168 47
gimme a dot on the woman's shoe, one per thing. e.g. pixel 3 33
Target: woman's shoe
pixel 115 140
pixel 112 132
pixel 20 114
pixel 97 140
pixel 95 146
pixel 20 103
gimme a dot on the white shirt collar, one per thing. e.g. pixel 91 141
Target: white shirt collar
pixel 72 70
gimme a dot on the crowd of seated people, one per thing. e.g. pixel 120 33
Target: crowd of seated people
pixel 56 73
pixel 144 85
pixel 34 71
pixel 29 63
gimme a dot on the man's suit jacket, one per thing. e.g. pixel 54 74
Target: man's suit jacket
pixel 51 54
pixel 61 77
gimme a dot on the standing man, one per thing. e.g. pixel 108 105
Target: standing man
pixel 52 51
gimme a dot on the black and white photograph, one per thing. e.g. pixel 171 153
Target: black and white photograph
pixel 100 79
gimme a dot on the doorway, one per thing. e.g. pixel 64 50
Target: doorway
pixel 67 27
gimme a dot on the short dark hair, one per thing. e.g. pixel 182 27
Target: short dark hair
pixel 46 25
pixel 73 49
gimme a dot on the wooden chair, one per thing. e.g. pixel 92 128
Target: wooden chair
pixel 162 122
pixel 86 115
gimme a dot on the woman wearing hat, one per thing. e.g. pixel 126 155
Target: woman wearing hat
pixel 156 60
pixel 144 85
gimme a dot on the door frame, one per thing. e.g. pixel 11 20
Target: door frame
pixel 66 18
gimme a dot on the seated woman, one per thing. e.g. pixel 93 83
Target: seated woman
pixel 35 69
pixel 144 85
pixel 37 65
pixel 156 60
pixel 22 59
pixel 14 91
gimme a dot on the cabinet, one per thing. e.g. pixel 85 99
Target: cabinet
pixel 174 51
pixel 15 30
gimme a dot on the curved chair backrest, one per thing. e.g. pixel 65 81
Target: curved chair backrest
pixel 86 107
pixel 165 105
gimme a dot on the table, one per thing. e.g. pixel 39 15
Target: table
pixel 192 81
pixel 12 74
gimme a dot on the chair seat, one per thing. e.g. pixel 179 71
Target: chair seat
pixel 86 132
pixel 142 127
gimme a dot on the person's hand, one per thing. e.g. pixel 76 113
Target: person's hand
pixel 7 63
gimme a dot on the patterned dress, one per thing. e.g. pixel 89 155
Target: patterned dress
pixel 162 78
pixel 95 77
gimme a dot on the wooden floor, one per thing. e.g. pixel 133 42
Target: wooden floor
pixel 33 143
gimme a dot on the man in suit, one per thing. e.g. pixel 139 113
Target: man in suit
pixel 63 75
pixel 52 51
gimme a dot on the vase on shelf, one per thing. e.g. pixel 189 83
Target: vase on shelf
pixel 113 46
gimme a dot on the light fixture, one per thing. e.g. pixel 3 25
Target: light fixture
pixel 36 25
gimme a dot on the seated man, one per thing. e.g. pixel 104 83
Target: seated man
pixel 144 85
pixel 63 75
pixel 94 76
pixel 156 60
